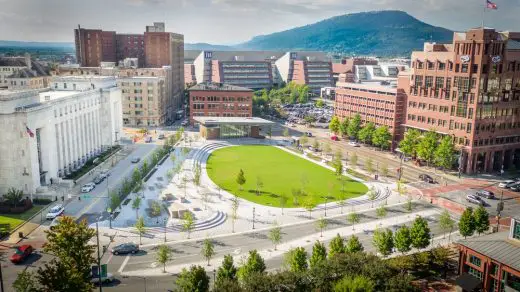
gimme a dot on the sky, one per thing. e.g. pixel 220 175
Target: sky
pixel 227 21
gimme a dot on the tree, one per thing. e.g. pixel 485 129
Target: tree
pixel 384 169
pixel 188 223
pixel 338 167
pixel 356 283
pixel 235 202
pixel 115 200
pixel 13 196
pixel 410 142
pixel 208 249
pixel 366 134
pixel 334 125
pixel 254 264
pixel 193 280
pixel 336 246
pixel 446 223
pixel 283 201
pixel 445 153
pixel 354 126
pixel 372 195
pixel 319 254
pixel 309 205
pixel 381 212
pixel 259 185
pixel 420 233
pixel 173 157
pixel 304 140
pixel 155 208
pixel 326 149
pixel 226 271
pixel 320 103
pixel 197 172
pixel 321 224
pixel 316 144
pixel 68 241
pixel 409 205
pixel 164 255
pixel 135 205
pixel 354 159
pixel 382 137
pixel 369 165
pixel 353 218
pixel 286 133
pixel 343 127
pixel 140 228
pixel 241 179
pixel 353 245
pixel 25 282
pixel 402 239
pixel 275 235
pixel 144 168
pixel 481 220
pixel 427 146
pixel 467 223
pixel 297 260
pixel 383 241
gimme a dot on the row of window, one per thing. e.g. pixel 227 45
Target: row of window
pixel 346 98
pixel 362 107
pixel 199 106
pixel 217 98
pixel 496 141
pixel 493 126
pixel 371 91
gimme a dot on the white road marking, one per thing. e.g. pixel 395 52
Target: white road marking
pixel 109 258
pixel 123 264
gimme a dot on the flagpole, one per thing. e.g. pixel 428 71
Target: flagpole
pixel 483 12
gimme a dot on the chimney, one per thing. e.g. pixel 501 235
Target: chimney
pixel 28 61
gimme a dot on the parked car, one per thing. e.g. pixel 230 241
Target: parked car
pixel 334 138
pixel 353 144
pixel 125 248
pixel 55 222
pixel 55 212
pixel 160 137
pixel 516 187
pixel 506 184
pixel 184 123
pixel 135 160
pixel 88 187
pixel 100 178
pixel 485 194
pixel 474 200
pixel 426 178
pixel 104 280
pixel 21 253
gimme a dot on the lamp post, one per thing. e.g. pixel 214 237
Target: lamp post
pixel 254 213
pixel 99 258
pixel 165 222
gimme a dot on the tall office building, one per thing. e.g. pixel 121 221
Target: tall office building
pixel 469 90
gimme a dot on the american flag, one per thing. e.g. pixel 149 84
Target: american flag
pixel 31 134
pixel 491 5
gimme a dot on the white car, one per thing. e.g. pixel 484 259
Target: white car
pixel 506 184
pixel 88 187
pixel 108 279
pixel 55 212
pixel 474 199
pixel 353 144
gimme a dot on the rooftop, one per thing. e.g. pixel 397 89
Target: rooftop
pixel 232 121
pixel 496 246
pixel 378 85
pixel 212 86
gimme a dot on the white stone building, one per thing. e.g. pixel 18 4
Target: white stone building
pixel 73 121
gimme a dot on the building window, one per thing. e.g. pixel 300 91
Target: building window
pixel 516 230
pixel 475 272
pixel 464 68
pixel 442 66
pixel 474 260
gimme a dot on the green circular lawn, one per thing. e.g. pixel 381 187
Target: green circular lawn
pixel 279 173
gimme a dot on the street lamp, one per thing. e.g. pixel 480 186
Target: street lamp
pixel 254 213
pixel 165 222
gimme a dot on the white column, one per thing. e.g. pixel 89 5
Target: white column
pixel 63 145
pixel 58 145
pixel 70 155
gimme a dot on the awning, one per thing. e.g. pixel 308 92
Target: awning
pixel 468 282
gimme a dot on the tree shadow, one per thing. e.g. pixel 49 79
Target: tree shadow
pixel 256 235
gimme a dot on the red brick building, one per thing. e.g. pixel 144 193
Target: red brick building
pixel 220 100
pixel 381 105
pixel 470 90
pixel 491 262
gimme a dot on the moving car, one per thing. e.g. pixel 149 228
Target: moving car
pixel 55 222
pixel 353 144
pixel 125 248
pixel 160 137
pixel 426 178
pixel 334 138
pixel 88 187
pixel 506 184
pixel 135 160
pixel 474 200
pixel 101 177
pixel 55 212
pixel 485 194
pixel 309 134
pixel 108 279
pixel 21 253
pixel 516 187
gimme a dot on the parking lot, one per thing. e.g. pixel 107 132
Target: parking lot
pixel 296 113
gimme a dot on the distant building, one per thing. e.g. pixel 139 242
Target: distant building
pixel 52 132
pixel 211 128
pixel 23 73
pixel 469 90
pixel 366 69
pixel 491 262
pixel 259 69
pixel 220 100
pixel 383 105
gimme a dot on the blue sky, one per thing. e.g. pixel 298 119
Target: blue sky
pixel 227 21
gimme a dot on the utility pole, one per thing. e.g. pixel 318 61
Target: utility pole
pixel 99 259
pixel 165 222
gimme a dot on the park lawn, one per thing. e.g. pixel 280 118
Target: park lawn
pixel 281 173
pixel 16 219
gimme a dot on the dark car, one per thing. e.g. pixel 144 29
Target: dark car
pixel 426 178
pixel 485 194
pixel 515 187
pixel 135 160
pixel 21 253
pixel 125 248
